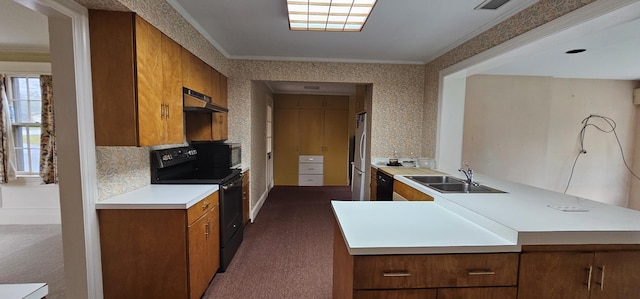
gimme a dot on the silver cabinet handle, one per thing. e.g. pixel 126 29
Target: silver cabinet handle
pixel 396 274
pixel 481 272
pixel 589 272
pixel 601 282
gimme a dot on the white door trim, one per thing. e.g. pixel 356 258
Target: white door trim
pixel 71 69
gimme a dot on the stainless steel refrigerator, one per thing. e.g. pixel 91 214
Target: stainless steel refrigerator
pixel 359 168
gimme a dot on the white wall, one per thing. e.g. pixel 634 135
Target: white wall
pixel 259 188
pixel 27 201
pixel 525 129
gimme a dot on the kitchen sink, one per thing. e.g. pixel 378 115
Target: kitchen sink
pixel 463 188
pixel 448 184
pixel 436 179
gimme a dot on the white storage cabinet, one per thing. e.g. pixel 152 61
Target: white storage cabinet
pixel 310 170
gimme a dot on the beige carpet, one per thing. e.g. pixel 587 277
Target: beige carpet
pixel 32 253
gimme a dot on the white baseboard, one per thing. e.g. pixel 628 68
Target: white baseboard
pixel 12 216
pixel 258 206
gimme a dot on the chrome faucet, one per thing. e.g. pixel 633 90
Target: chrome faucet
pixel 468 173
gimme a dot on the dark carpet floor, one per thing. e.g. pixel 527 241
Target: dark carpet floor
pixel 287 251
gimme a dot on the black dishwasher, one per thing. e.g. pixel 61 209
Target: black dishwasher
pixel 384 189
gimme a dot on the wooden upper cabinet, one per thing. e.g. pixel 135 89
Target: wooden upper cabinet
pixel 196 74
pixel 172 90
pixel 224 93
pixel 215 88
pixel 311 126
pixel 336 147
pixel 336 102
pixel 286 140
pixel 135 102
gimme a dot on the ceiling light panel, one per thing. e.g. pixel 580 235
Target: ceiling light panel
pixel 329 15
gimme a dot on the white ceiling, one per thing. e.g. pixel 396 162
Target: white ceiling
pixel 22 29
pixel 398 31
pixel 612 44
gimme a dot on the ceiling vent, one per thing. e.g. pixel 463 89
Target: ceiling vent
pixel 491 4
pixel 311 87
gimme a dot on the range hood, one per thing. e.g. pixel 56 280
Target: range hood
pixel 197 102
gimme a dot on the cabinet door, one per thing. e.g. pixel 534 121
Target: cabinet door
pixel 224 98
pixel 149 81
pixel 308 101
pixel 114 104
pixel 311 128
pixel 336 147
pixel 245 197
pixel 285 147
pixel 215 88
pixel 374 184
pixel 220 130
pixel 201 262
pixel 336 102
pixel 172 91
pixel 555 275
pixel 409 192
pixel 616 275
pixel 478 293
pixel 196 74
pixel 214 239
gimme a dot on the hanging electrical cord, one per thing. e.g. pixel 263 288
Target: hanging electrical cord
pixel 585 124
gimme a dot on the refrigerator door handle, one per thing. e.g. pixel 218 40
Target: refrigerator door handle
pixel 362 149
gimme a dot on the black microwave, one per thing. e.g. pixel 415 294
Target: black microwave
pixel 218 154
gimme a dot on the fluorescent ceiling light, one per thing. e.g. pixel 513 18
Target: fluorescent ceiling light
pixel 329 15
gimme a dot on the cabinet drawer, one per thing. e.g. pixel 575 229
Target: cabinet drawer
pixel 435 271
pixel 310 159
pixel 196 211
pixel 477 293
pixel 310 180
pixel 310 168
pixel 395 294
pixel 409 193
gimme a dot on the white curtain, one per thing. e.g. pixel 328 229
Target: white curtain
pixel 7 150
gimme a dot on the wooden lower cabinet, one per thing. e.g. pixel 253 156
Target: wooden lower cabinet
pixel 578 274
pixel 373 183
pixel 411 276
pixel 409 192
pixel 246 202
pixel 479 293
pixel 395 294
pixel 158 253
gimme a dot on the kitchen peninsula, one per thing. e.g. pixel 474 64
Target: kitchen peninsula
pixel 525 243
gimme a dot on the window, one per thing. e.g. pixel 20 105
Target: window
pixel 25 106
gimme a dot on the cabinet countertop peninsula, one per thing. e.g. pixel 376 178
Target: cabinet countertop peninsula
pixel 161 196
pixel 494 222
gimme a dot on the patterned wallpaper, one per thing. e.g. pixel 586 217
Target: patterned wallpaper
pixel 538 14
pixel 397 97
pixel 404 111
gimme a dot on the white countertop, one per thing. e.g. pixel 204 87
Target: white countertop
pixel 536 214
pixel 482 222
pixel 412 228
pixel 179 196
pixel 24 291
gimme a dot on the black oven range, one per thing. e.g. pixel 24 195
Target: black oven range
pixel 181 165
